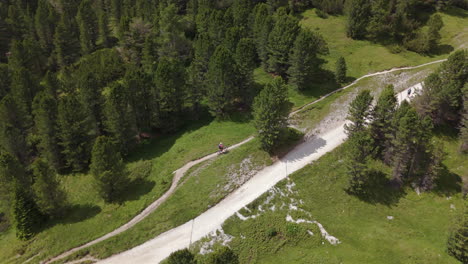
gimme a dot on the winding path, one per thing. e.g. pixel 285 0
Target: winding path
pixel 180 237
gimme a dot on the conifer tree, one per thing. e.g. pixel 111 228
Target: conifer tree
pixel 382 116
pixel 360 147
pixel 358 17
pixel 172 41
pixel 303 58
pixel 245 58
pixel 13 128
pixel 359 112
pixel 170 80
pixel 464 122
pixel 88 26
pixel 91 99
pixel 103 28
pixel 5 83
pixel 11 173
pixel 25 212
pixel 138 86
pixel 281 40
pixel 118 120
pixel 340 70
pixel 262 26
pixel 183 256
pixel 108 169
pixel 44 23
pixel 48 195
pixel 45 120
pixel 223 255
pixel 458 240
pixel 66 46
pixel 270 111
pixel 222 82
pixel 74 134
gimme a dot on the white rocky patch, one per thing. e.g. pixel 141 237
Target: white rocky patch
pixel 217 236
pixel 331 239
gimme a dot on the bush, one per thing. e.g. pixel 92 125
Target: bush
pixel 224 255
pixel 320 13
pixel 272 232
pixel 183 256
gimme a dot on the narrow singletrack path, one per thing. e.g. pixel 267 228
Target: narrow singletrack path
pixel 181 171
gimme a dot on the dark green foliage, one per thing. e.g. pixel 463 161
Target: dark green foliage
pixel 263 23
pixel 119 120
pixel 108 169
pixel 65 41
pixel 183 256
pixel 457 244
pixel 222 82
pixel 26 215
pixel 172 41
pixel 223 255
pixel 246 56
pixel 144 106
pixel 133 40
pixel 360 148
pixel 304 59
pixel 442 98
pixel 48 195
pixel 359 112
pixel 340 70
pixel 45 19
pixel 427 41
pixel 12 173
pixel 464 122
pixel 358 18
pixel 74 132
pixel 88 26
pixel 270 111
pixel 5 83
pixel 382 116
pixel 90 98
pixel 45 111
pixel 281 40
pixel 13 124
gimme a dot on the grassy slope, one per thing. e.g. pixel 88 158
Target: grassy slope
pixel 417 234
pixel 363 56
pixel 91 217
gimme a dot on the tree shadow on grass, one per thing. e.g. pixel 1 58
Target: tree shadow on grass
pixel 443 49
pixel 448 183
pixel 137 188
pixel 379 190
pixel 79 212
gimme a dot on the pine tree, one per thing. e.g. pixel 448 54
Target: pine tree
pixel 138 85
pixel 48 195
pixel 360 147
pixel 23 89
pixel 118 118
pixel 270 111
pixel 88 26
pixel 358 19
pixel 170 80
pixel 435 24
pixel 26 215
pixel 13 128
pixel 44 23
pixel 74 131
pixel 245 58
pixel 262 26
pixel 91 98
pixel 66 47
pixel 183 256
pixel 303 58
pixel 103 28
pixel 281 40
pixel 359 112
pixel 108 169
pixel 458 240
pixel 11 173
pixel 222 82
pixel 45 119
pixel 172 41
pixel 223 255
pixel 382 116
pixel 340 70
pixel 464 122
pixel 5 83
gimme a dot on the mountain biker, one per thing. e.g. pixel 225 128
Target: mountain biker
pixel 221 147
pixel 409 91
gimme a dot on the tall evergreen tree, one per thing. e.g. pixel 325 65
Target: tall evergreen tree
pixel 74 131
pixel 25 212
pixel 45 19
pixel 358 18
pixel 88 26
pixel 304 59
pixel 262 26
pixel 245 58
pixel 11 173
pixel 170 81
pixel 66 47
pixel 458 240
pixel 281 40
pixel 270 111
pixel 222 82
pixel 45 119
pixel 48 195
pixel 108 169
pixel 340 70
pixel 5 83
pixel 359 112
pixel 118 120
pixel 91 98
pixel 172 41
pixel 464 122
pixel 382 117
pixel 360 148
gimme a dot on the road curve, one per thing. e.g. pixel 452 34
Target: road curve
pixel 159 248
pixel 180 172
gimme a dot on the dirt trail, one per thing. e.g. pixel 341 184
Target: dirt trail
pixel 180 172
pixel 148 210
pixel 159 248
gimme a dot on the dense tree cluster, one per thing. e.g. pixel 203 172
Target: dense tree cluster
pixel 397 22
pixel 81 78
pixel 401 136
